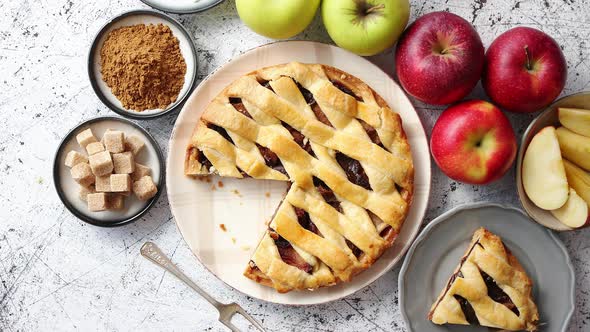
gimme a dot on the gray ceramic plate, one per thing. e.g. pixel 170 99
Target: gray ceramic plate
pixel 438 249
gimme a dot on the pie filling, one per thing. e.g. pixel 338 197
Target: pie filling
pixel 371 132
pixel 317 110
pixel 355 250
pixel 265 84
pixel 203 160
pixel 305 221
pixel 221 132
pixel 386 231
pixel 301 140
pixel 346 90
pixel 354 170
pixel 237 104
pixel 497 294
pixel 288 253
pixel 467 310
pixel 271 159
pixel 327 194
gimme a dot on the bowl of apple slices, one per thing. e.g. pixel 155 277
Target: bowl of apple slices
pixel 553 165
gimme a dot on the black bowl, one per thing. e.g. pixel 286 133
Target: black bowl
pixel 86 217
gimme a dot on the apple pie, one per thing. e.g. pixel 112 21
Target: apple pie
pixel 488 288
pixel 343 152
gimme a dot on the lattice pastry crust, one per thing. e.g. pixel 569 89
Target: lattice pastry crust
pixel 339 145
pixel 488 288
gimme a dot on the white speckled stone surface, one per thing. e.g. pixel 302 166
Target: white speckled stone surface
pixel 59 273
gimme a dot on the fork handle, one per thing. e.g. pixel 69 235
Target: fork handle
pixel 151 251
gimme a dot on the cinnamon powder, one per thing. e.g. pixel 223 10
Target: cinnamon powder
pixel 143 66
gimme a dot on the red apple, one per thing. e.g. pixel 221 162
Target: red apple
pixel 525 70
pixel 439 58
pixel 473 142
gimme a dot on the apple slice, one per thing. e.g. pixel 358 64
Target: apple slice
pixel 574 147
pixel 575 119
pixel 543 174
pixel 578 179
pixel 574 213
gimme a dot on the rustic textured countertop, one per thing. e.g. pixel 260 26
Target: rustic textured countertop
pixel 59 273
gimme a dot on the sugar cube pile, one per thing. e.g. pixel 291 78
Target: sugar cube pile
pixel 109 173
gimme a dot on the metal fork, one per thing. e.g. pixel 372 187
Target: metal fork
pixel 151 251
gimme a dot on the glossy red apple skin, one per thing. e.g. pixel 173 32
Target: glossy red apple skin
pixel 507 80
pixel 430 76
pixel 455 137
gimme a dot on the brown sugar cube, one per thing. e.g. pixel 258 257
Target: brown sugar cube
pixel 74 157
pixel 84 191
pixel 86 137
pixel 94 148
pixel 134 144
pixel 101 163
pixel 103 183
pixel 114 141
pixel 144 188
pixel 82 173
pixel 140 171
pixel 120 182
pixel 116 202
pixel 124 163
pixel 97 202
pixel 105 133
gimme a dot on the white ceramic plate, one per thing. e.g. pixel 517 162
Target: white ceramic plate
pixel 439 248
pixel 244 205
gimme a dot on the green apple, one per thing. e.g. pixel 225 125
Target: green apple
pixel 277 19
pixel 365 27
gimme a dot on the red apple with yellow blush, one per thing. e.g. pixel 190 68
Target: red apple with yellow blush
pixel 525 70
pixel 439 58
pixel 473 142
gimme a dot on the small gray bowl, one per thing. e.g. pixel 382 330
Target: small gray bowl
pixel 67 188
pixel 145 16
pixel 547 118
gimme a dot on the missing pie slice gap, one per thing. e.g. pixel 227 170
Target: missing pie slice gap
pixel 489 287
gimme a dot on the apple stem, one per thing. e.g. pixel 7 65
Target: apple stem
pixel 375 8
pixel 528 58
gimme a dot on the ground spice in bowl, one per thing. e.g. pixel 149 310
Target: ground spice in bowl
pixel 143 66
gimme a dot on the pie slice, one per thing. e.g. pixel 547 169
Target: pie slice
pixel 341 148
pixel 488 288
